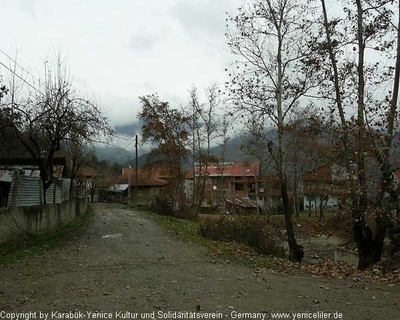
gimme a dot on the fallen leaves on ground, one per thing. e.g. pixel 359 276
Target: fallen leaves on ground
pixel 331 269
pixel 323 268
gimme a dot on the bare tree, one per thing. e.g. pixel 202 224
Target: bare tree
pixel 77 152
pixel 51 115
pixel 204 131
pixel 369 26
pixel 271 38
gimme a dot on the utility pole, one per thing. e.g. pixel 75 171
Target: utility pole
pixel 136 176
pixel 129 183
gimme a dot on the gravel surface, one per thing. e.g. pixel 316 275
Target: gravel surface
pixel 126 266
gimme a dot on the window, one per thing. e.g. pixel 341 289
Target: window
pixel 239 186
pixel 311 184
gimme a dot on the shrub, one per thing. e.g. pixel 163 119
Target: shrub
pixel 254 232
pixel 162 206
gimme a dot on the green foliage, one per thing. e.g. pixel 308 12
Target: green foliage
pixel 253 232
pixel 184 228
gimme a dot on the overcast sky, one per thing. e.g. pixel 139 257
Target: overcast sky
pixel 119 50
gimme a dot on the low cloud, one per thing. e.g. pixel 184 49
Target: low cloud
pixel 204 19
pixel 143 42
pixel 28 6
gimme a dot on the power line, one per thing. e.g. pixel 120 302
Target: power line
pixel 13 72
pixel 121 138
pixel 13 60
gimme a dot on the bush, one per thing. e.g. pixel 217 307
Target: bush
pixel 253 232
pixel 162 206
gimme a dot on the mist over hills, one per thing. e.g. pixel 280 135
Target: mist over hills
pixel 129 129
pixel 235 149
pixel 114 154
pixel 118 154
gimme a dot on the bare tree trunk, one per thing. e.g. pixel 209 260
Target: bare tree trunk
pixel 370 247
pixel 338 96
pixel 386 184
pixel 315 206
pixel 296 252
pixel 363 235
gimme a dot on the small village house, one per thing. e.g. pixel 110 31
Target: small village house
pixel 151 182
pixel 235 186
pixel 85 184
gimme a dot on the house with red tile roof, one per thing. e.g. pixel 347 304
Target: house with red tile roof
pixel 235 184
pixel 151 182
pixel 84 183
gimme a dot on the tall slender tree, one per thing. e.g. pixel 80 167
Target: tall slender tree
pixel 270 39
pixel 204 131
pixel 368 30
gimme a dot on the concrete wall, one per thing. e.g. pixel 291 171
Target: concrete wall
pixel 38 220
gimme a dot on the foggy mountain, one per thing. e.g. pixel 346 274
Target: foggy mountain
pixel 235 150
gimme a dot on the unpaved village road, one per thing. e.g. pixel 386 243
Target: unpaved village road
pixel 126 262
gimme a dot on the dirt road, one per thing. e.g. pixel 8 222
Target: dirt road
pixel 126 265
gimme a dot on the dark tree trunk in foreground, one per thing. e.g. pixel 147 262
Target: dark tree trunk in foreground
pixel 296 252
pixel 370 247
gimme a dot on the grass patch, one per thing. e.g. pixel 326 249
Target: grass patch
pixel 188 230
pixel 184 228
pixel 232 250
pixel 32 245
pixel 226 251
pixel 250 231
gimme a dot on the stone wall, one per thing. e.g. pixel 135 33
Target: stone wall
pixel 38 220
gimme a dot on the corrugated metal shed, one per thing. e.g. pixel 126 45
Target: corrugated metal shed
pixel 27 193
pixel 65 189
pixel 54 192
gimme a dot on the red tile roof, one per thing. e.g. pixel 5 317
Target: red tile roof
pixel 146 177
pixel 233 169
pixel 87 171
